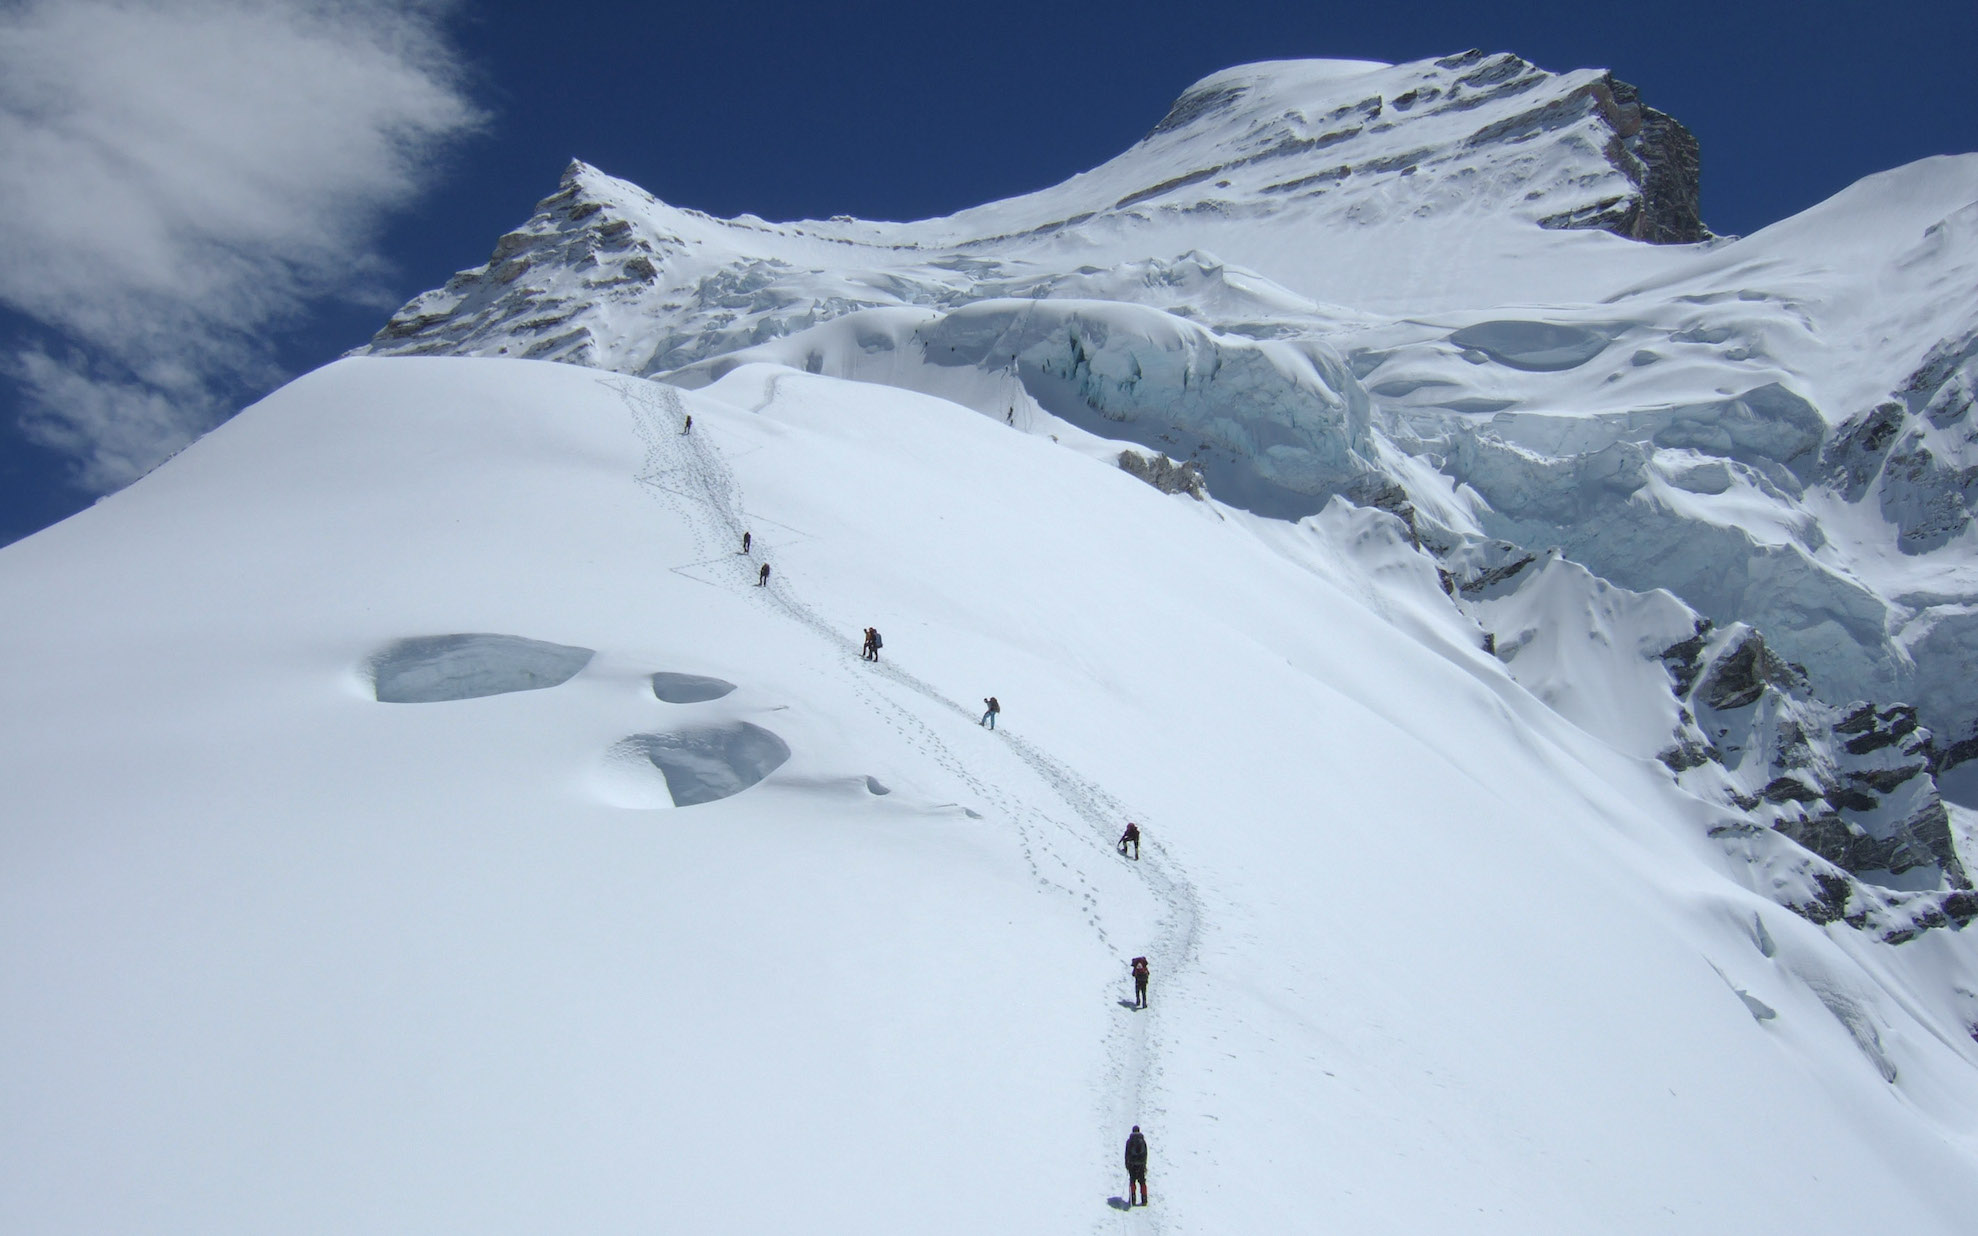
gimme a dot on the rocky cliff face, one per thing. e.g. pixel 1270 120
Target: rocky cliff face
pixel 1915 450
pixel 1660 158
pixel 1163 473
pixel 1852 784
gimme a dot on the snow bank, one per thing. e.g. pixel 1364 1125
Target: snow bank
pixel 709 763
pixel 433 668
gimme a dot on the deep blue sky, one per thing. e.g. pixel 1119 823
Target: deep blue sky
pixel 907 110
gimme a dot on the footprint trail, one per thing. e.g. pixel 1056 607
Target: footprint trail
pixel 1065 829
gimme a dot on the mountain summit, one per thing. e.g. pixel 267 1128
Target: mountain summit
pixel 1326 150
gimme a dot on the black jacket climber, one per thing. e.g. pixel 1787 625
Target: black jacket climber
pixel 1136 1168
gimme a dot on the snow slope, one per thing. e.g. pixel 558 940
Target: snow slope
pixel 1427 954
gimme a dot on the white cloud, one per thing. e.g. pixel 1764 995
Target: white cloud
pixel 178 177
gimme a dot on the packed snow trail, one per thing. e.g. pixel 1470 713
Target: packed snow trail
pixel 687 473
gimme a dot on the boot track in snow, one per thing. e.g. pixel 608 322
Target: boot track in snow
pixel 1062 847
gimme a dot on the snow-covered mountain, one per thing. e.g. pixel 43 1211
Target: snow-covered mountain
pixel 1526 627
pixel 1423 287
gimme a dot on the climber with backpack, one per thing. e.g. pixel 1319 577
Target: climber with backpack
pixel 1136 1166
pixel 1131 837
pixel 1140 982
pixel 762 576
pixel 989 717
pixel 872 644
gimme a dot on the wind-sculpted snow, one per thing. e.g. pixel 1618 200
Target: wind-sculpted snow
pixel 1769 428
pixel 709 763
pixel 1542 347
pixel 1585 647
pixel 435 668
pixel 689 688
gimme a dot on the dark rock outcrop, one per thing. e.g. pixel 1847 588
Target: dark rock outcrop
pixel 1685 658
pixel 1928 481
pixel 1740 675
pixel 1853 786
pixel 1854 455
pixel 1660 158
pixel 1927 499
pixel 1164 474
pixel 1385 494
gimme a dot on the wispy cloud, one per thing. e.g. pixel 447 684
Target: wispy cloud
pixel 180 177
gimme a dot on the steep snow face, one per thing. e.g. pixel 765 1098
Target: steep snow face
pixel 1420 287
pixel 660 909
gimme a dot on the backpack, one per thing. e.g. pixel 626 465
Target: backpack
pixel 1139 967
pixel 993 705
pixel 876 641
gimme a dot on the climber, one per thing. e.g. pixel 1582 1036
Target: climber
pixel 1140 982
pixel 762 576
pixel 989 717
pixel 1131 837
pixel 1136 1166
pixel 746 538
pixel 872 644
pixel 689 426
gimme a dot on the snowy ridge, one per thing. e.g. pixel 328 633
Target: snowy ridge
pixel 1466 142
pixel 1066 849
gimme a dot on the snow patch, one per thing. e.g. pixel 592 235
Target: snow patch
pixel 689 688
pixel 700 765
pixel 1855 1017
pixel 1760 1011
pixel 428 669
pixel 1536 347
